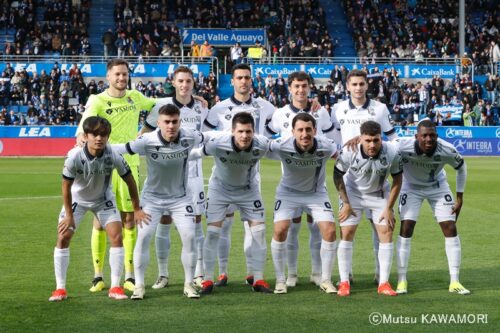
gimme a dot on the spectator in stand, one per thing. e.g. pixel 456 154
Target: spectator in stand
pixel 108 41
pixel 12 118
pixel 206 49
pixel 491 87
pixel 236 54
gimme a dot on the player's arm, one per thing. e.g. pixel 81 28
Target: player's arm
pixel 68 223
pixel 90 110
pixel 388 213
pixel 461 180
pixel 273 150
pixel 338 180
pixel 139 215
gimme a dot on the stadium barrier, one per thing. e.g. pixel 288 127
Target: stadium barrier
pixel 58 140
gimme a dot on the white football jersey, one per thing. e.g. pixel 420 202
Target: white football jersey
pixel 366 174
pixel 167 161
pixel 235 169
pixel 92 175
pixel 303 171
pixel 427 169
pixel 221 114
pixel 347 118
pixel 193 115
pixel 281 121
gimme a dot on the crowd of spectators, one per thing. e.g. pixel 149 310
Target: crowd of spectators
pixel 424 29
pixel 63 30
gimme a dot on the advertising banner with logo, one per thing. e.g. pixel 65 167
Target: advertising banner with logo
pixel 223 37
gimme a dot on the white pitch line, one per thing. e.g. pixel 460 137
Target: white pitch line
pixel 32 198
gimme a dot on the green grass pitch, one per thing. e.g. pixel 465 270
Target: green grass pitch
pixel 30 202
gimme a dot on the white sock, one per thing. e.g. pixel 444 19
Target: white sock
pixel 225 244
pixel 199 250
pixel 188 253
pixel 328 254
pixel 403 250
pixel 292 247
pixel 278 250
pixel 385 260
pixel 258 250
pixel 247 244
pixel 162 245
pixel 315 247
pixel 210 251
pixel 454 255
pixel 141 252
pixel 376 243
pixel 116 255
pixel 345 259
pixel 61 262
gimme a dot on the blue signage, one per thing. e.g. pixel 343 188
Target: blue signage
pixel 224 37
pixel 99 70
pixel 37 131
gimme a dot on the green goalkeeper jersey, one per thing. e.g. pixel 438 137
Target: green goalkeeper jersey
pixel 122 112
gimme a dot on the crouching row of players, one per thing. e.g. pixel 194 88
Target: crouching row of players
pixel 360 176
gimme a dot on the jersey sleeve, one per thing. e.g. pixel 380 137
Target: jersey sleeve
pixel 212 120
pixel 386 124
pixel 120 164
pixel 274 149
pixel 273 126
pixel 453 157
pixel 209 147
pixel 69 170
pixel 152 118
pixel 397 164
pixel 198 138
pixel 342 164
pixel 138 146
pixel 146 103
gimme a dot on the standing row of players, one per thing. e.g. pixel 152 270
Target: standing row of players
pixel 303 155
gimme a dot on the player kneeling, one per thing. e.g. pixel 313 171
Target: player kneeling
pixel 86 187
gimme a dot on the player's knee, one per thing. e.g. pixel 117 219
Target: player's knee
pixel 115 238
pixel 297 219
pixel 280 234
pixel 329 234
pixel 347 234
pixel 63 240
pixel 407 228
pixel 449 228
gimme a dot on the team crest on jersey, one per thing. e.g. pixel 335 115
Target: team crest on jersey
pixel 130 101
pixel 437 158
pixel 383 161
pixel 315 115
pixel 109 111
pixel 154 156
pixel 227 116
pixel 197 109
pixel 256 105
pixel 184 143
pixel 255 152
pixel 371 111
pixel 223 159
pixel 107 160
pixel 404 160
pixel 285 125
pixel 320 154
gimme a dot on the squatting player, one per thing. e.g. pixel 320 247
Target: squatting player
pixel 86 187
pixel 424 158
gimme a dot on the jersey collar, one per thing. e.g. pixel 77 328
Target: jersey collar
pixel 365 106
pixel 310 151
pixel 180 105
pixel 367 157
pixel 89 156
pixel 296 110
pixel 421 152
pixel 237 150
pixel 165 142
pixel 236 102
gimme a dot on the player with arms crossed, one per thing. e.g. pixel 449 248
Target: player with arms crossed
pixel 348 115
pixel 165 191
pixel 234 182
pixel 121 107
pixel 220 118
pixel 302 186
pixel 193 114
pixel 86 187
pixel 361 180
pixel 299 87
pixel 424 158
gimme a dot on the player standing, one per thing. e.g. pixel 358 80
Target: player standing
pixel 302 186
pixel 348 115
pixel 86 187
pixel 121 107
pixel 424 158
pixel 361 180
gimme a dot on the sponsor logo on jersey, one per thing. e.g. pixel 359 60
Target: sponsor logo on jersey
pixel 184 143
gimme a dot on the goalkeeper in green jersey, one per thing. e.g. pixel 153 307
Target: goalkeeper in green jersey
pixel 121 107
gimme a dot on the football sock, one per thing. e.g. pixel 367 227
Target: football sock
pixel 129 239
pixel 141 251
pixel 247 244
pixel 188 253
pixel 328 254
pixel 61 262
pixel 385 260
pixel 199 249
pixel 315 247
pixel 116 263
pixel 210 251
pixel 454 254
pixel 376 243
pixel 258 250
pixel 98 246
pixel 345 259
pixel 403 249
pixel 162 246
pixel 292 247
pixel 278 250
pixel 225 244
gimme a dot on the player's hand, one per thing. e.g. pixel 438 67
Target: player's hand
pixel 388 215
pixel 202 100
pixel 352 144
pixel 457 208
pixel 315 106
pixel 80 140
pixel 68 223
pixel 141 217
pixel 345 212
